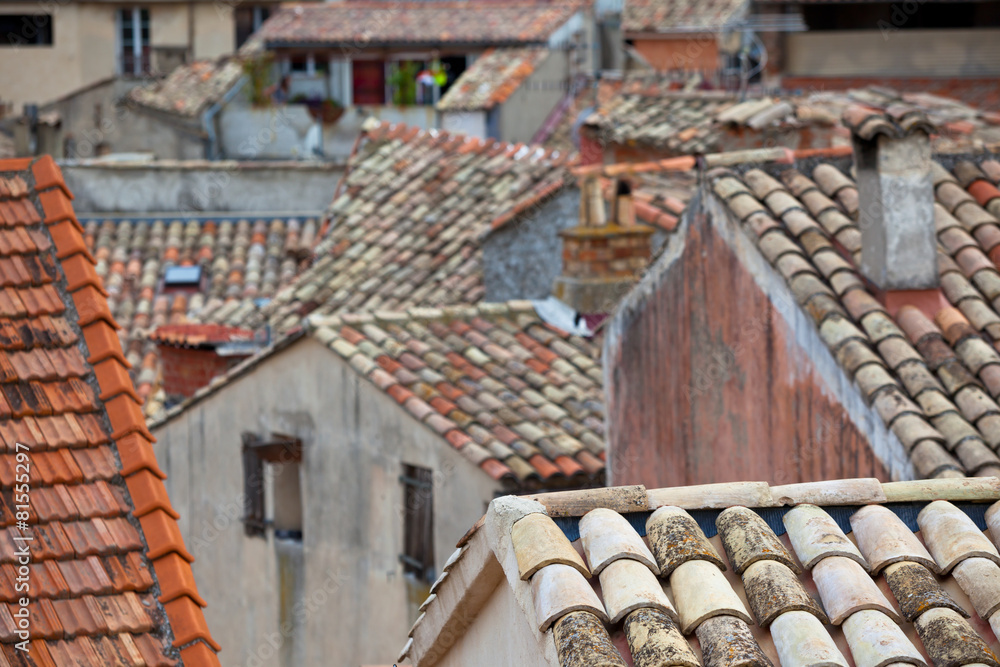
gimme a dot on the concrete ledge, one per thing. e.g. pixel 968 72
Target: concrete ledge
pixel 140 187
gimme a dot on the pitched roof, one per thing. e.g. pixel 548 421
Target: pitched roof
pixel 110 579
pixel 433 23
pixel 758 575
pixel 562 127
pixel 405 229
pixel 935 384
pixel 646 112
pixel 492 78
pixel 670 16
pixel 241 259
pixel 517 397
pixel 521 399
pixel 191 88
pixel 200 335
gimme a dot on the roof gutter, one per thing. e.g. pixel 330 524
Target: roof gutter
pixel 208 119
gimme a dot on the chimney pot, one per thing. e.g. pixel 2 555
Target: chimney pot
pixel 624 206
pixel 892 158
pixel 592 204
pixel 602 261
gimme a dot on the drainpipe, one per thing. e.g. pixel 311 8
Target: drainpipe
pixel 208 119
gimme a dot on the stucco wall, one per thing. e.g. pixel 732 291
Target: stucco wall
pixel 200 186
pixel 84 43
pixel 91 116
pixel 484 646
pixel 339 138
pixel 471 123
pixel 522 259
pixel 83 52
pixel 971 52
pixel 278 133
pixel 166 136
pixel 531 103
pixel 355 440
pixel 715 374
pixel 214 30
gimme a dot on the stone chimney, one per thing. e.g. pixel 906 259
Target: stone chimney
pixel 602 260
pixel 892 158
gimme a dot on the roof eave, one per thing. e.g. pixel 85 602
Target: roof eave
pixel 430 44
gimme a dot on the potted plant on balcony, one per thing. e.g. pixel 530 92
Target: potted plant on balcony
pixel 257 69
pixel 403 81
pixel 326 111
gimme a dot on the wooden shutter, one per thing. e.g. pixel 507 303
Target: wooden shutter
pixel 418 522
pixel 369 82
pixel 253 487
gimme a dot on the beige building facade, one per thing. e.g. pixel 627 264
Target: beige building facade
pixel 333 522
pixel 55 47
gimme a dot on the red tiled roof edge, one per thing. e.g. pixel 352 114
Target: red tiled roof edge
pixel 196 334
pixel 169 558
pixel 690 162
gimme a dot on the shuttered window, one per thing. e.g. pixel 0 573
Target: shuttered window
pixel 253 487
pixel 418 522
pixel 282 451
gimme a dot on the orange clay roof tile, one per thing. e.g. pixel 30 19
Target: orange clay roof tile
pixel 148 494
pixel 92 576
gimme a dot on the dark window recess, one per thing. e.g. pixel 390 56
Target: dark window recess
pixel 133 36
pixel 453 67
pixel 25 30
pixel 253 487
pixel 248 21
pixel 368 82
pixel 280 450
pixel 879 15
pixel 299 64
pixel 418 522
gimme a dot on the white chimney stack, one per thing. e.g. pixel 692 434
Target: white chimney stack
pixel 892 158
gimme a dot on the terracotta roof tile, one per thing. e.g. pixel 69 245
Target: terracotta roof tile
pixel 648 112
pixel 762 577
pixel 240 260
pixel 189 89
pixel 666 16
pixel 411 23
pixel 395 197
pixel 492 78
pixel 473 411
pixel 87 569
pixel 947 373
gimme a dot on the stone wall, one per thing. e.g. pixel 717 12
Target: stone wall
pixel 522 259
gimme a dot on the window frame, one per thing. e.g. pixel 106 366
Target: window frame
pixel 140 57
pixel 255 453
pixel 47 29
pixel 417 555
